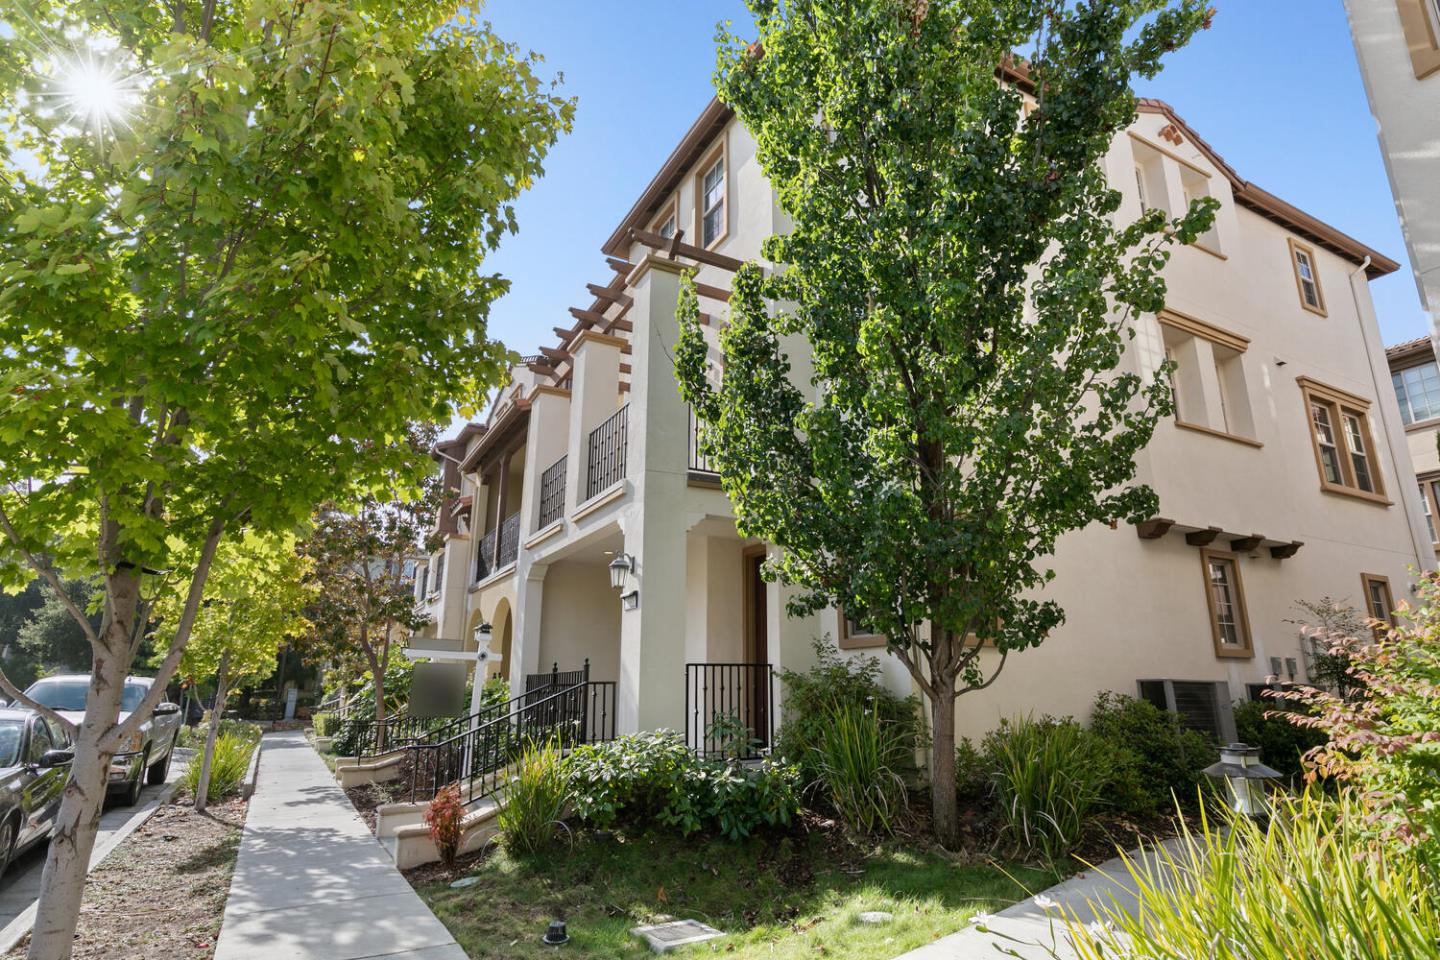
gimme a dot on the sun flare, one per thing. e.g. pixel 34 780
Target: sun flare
pixel 95 93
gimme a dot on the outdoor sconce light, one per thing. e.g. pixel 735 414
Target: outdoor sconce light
pixel 629 601
pixel 482 635
pixel 1244 777
pixel 620 568
pixel 556 935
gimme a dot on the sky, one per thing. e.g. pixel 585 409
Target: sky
pixel 1273 86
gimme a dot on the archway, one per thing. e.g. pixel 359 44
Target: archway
pixel 501 627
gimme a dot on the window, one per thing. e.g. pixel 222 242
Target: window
pixel 1149 175
pixel 1196 186
pixel 1307 278
pixel 711 196
pixel 1379 604
pixel 39 741
pixel 1430 505
pixel 1140 188
pixel 1420 20
pixel 1229 625
pixel 855 635
pixel 1417 389
pixel 1207 377
pixel 665 223
pixel 1344 448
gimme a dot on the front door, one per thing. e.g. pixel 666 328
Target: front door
pixel 757 647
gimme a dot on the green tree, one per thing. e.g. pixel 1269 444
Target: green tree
pixel 253 601
pixel 51 638
pixel 239 252
pixel 963 295
pixel 363 562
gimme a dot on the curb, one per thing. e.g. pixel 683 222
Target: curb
pixel 252 775
pixel 16 929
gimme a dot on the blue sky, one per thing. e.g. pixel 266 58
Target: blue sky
pixel 1273 86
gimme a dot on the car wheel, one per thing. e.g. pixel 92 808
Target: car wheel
pixel 131 796
pixel 156 773
pixel 7 845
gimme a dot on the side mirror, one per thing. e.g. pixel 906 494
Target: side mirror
pixel 166 709
pixel 56 758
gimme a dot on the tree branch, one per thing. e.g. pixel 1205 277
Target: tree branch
pixel 50 577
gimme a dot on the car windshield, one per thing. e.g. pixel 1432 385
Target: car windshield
pixel 70 694
pixel 10 734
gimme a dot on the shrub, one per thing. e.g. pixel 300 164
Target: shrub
pixel 495 693
pixel 1310 884
pixel 858 758
pixel 443 817
pixel 1155 760
pixel 973 782
pixel 654 778
pixel 534 799
pixel 194 737
pixel 1383 735
pixel 834 683
pixel 227 769
pixel 1282 743
pixel 1049 776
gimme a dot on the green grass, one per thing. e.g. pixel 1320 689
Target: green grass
pixel 786 898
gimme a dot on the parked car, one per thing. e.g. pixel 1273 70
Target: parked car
pixel 34 765
pixel 146 756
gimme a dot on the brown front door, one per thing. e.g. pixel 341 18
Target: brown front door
pixel 757 646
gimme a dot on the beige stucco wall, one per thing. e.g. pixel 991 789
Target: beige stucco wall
pixel 1407 118
pixel 580 618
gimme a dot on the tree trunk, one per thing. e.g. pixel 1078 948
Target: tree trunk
pixel 222 690
pixel 942 762
pixel 68 860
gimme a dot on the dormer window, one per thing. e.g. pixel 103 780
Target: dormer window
pixel 1307 277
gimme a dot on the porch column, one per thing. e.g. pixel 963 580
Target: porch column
pixel 525 619
pixel 652 636
pixel 546 442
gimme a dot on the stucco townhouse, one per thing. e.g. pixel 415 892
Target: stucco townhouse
pixel 584 527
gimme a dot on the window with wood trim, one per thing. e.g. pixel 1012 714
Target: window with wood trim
pixel 1430 505
pixel 1417 389
pixel 1229 623
pixel 855 635
pixel 1420 21
pixel 1379 602
pixel 666 224
pixel 1208 378
pixel 1307 277
pixel 712 196
pixel 1344 445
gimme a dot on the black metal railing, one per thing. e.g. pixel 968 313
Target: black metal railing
pixel 729 709
pixel 698 462
pixel 552 493
pixel 473 759
pixel 366 737
pixel 606 464
pixel 556 679
pixel 509 547
pixel 485 557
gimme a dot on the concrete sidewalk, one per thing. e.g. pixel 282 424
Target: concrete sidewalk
pixel 311 882
pixel 1030 933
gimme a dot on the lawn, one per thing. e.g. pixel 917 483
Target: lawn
pixel 791 897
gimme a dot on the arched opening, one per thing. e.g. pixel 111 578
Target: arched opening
pixel 501 627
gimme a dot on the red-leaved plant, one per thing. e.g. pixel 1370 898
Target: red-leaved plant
pixel 443 817
pixel 1383 732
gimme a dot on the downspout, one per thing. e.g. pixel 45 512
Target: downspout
pixel 1406 498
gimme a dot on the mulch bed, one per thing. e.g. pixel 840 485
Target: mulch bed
pixel 161 893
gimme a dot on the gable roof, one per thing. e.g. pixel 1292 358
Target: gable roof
pixel 716 115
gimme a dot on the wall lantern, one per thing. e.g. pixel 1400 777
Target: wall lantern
pixel 620 568
pixel 1244 777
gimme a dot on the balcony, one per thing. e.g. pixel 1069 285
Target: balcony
pixel 698 465
pixel 606 464
pixel 485 557
pixel 552 493
pixel 498 548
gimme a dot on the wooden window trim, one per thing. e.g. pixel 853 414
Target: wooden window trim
pixel 1243 620
pixel 1420 37
pixel 1366 579
pixel 1427 483
pixel 720 151
pixel 1309 251
pixel 1341 402
pixel 1218 336
pixel 856 641
pixel 669 210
